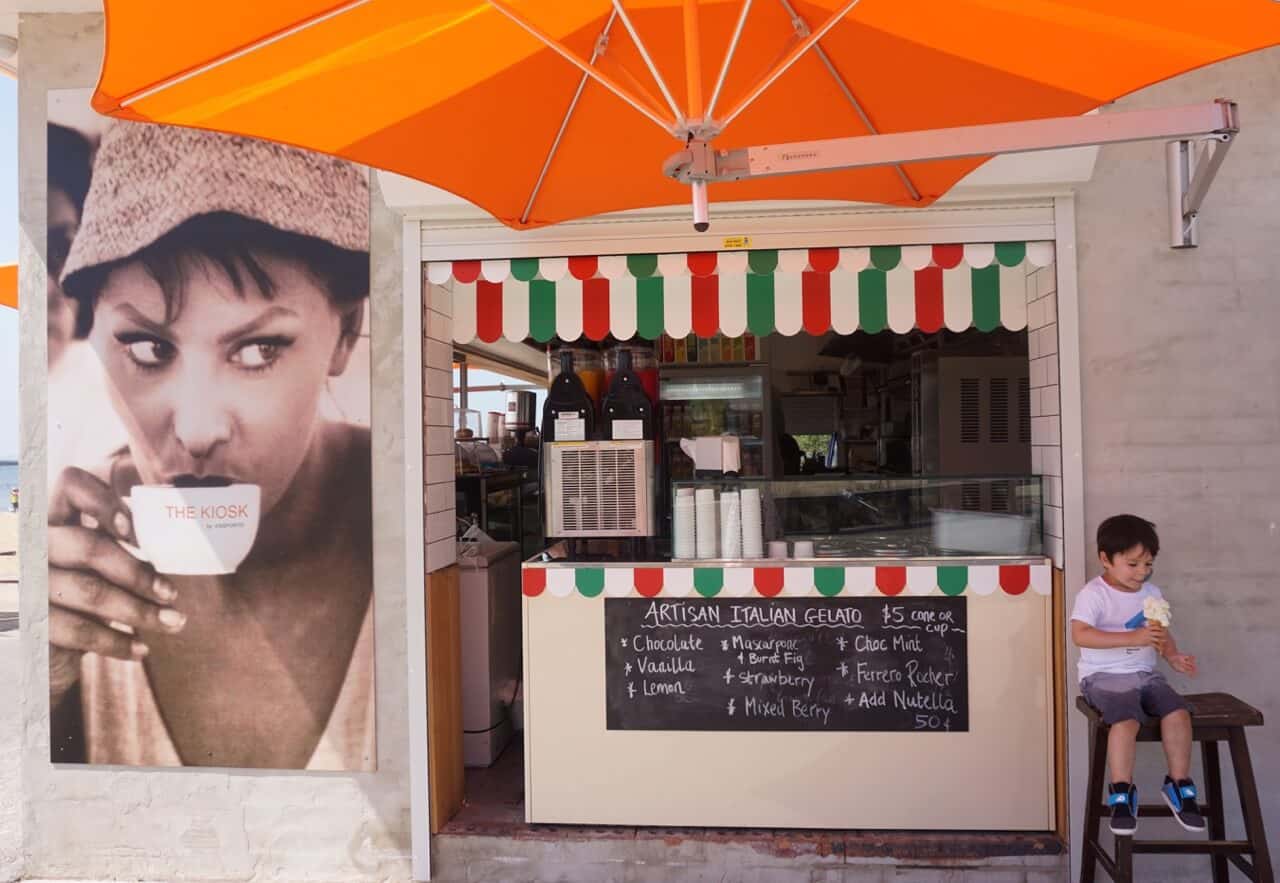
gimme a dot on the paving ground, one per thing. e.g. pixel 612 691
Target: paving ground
pixel 10 750
pixel 8 571
pixel 488 840
pixel 10 715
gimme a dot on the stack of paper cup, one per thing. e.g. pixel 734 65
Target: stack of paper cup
pixel 706 516
pixel 730 525
pixel 752 523
pixel 683 528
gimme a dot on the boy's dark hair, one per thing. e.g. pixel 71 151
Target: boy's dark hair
pixel 234 244
pixel 1119 533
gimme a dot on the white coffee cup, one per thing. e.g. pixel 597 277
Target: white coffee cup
pixel 195 531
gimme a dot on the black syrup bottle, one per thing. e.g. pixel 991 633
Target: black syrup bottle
pixel 626 400
pixel 568 401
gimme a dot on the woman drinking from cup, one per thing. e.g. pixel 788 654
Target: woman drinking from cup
pixel 222 283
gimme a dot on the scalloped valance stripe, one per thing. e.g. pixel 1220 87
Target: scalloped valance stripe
pixel 876 288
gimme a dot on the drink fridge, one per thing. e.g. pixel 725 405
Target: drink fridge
pixel 732 400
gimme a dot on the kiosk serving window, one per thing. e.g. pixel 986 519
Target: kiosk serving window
pixel 818 538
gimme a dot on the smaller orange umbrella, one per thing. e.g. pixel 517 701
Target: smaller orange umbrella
pixel 9 286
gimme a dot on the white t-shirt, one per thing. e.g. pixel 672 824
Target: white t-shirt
pixel 1108 609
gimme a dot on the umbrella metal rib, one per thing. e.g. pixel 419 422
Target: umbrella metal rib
pixel 693 58
pixel 597 75
pixel 648 61
pixel 785 65
pixel 196 71
pixel 851 98
pixel 601 42
pixel 728 58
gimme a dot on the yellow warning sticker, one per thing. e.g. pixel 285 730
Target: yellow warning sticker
pixel 737 242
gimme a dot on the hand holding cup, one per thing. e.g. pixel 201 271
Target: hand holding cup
pixel 94 583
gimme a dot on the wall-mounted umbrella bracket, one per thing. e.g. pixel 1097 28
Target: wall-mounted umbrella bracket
pixel 1211 125
pixel 1192 165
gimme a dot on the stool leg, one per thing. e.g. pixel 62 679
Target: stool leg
pixel 1217 817
pixel 1249 806
pixel 1093 802
pixel 1124 860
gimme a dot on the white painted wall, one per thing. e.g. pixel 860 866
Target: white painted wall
pixel 1181 385
pixel 209 824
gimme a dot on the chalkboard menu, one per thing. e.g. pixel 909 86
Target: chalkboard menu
pixel 871 664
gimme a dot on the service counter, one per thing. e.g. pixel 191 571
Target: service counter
pixel 824 693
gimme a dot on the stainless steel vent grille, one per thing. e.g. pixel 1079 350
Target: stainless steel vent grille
pixel 599 489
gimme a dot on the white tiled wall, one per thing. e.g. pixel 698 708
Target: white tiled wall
pixel 1046 419
pixel 437 410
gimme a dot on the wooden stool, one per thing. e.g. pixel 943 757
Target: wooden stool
pixel 1215 717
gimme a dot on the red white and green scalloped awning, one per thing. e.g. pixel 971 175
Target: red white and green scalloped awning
pixel 898 288
pixel 789 581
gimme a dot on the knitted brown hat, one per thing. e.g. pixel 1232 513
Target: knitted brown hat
pixel 148 179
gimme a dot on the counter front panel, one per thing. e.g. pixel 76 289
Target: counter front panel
pixel 831 696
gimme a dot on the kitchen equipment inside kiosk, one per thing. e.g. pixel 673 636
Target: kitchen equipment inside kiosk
pixel 599 468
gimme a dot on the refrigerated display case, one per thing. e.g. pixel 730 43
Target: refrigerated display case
pixel 698 401
pixel 862 517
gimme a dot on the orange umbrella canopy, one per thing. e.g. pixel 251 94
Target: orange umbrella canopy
pixel 488 100
pixel 9 285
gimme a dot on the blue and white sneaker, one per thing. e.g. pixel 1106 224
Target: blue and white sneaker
pixel 1181 798
pixel 1123 801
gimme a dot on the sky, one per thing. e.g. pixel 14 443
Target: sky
pixel 8 255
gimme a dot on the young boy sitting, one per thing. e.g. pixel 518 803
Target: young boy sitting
pixel 1118 650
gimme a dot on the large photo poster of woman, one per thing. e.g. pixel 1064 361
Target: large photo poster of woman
pixel 210 518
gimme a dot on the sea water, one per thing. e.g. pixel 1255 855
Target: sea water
pixel 8 479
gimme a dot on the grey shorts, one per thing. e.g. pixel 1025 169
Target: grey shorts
pixel 1140 696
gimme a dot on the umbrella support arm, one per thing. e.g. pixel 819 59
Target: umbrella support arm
pixel 1190 176
pixel 1190 173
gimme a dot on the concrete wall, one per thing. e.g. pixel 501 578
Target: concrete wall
pixel 10 760
pixel 165 824
pixel 1181 372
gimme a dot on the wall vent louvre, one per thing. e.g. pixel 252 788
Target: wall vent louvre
pixel 998 410
pixel 1000 496
pixel 1024 410
pixel 970 411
